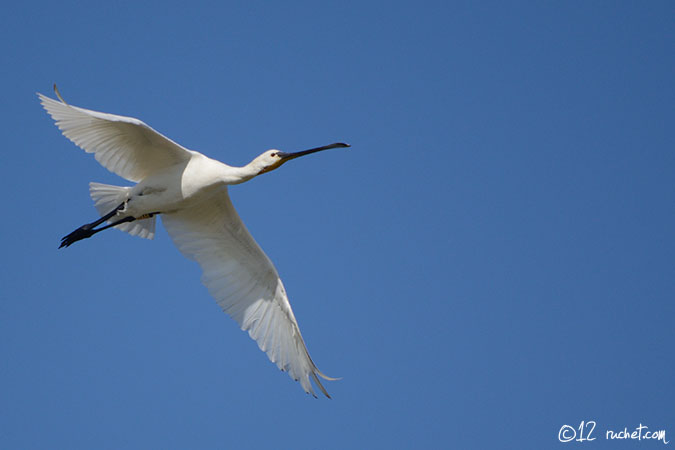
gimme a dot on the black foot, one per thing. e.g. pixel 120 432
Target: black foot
pixel 83 232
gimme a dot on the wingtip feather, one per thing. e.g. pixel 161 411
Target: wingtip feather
pixel 58 94
pixel 318 383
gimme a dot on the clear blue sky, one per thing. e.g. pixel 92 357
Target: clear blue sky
pixel 493 258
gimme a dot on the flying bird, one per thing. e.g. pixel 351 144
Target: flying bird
pixel 189 191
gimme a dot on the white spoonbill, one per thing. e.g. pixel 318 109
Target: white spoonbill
pixel 189 190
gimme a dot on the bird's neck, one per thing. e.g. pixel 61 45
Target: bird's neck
pixel 237 175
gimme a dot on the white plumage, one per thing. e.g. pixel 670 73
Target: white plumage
pixel 189 190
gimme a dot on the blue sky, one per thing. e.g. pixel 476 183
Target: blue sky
pixel 491 260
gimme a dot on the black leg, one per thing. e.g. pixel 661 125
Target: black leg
pixel 86 231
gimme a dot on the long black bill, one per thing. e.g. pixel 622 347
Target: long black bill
pixel 288 156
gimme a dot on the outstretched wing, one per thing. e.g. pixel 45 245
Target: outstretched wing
pixel 244 282
pixel 123 145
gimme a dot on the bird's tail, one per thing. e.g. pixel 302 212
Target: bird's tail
pixel 106 198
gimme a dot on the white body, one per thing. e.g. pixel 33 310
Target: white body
pixel 189 190
pixel 181 185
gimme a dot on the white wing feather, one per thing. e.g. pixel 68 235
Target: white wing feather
pixel 123 145
pixel 244 282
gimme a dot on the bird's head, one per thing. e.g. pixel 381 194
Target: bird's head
pixel 273 159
